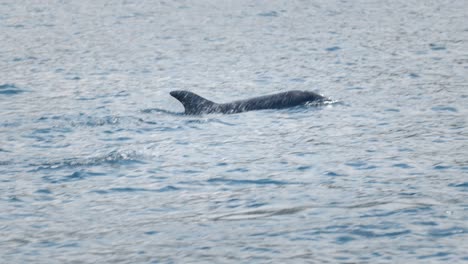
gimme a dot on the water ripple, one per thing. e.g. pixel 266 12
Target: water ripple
pixel 10 89
pixel 261 213
pixel 241 182
pixel 132 190
pixel 118 157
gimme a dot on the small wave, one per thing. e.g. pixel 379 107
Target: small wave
pixel 75 176
pixel 83 120
pixel 459 185
pixel 364 232
pixel 436 255
pixel 161 111
pixel 268 14
pixel 117 157
pixel 207 120
pixel 133 189
pixel 4 150
pixel 255 214
pixel 10 89
pixel 5 162
pixel 443 108
pixel 240 182
pixel 448 232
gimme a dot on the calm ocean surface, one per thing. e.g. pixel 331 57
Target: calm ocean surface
pixel 98 165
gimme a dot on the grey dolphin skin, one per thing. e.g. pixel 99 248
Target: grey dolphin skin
pixel 196 105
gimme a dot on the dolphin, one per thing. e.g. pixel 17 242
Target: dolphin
pixel 196 105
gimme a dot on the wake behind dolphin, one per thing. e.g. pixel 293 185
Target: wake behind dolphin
pixel 195 104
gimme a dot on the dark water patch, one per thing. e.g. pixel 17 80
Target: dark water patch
pixel 256 205
pixel 299 80
pixel 241 182
pixel 402 165
pixel 5 162
pixel 135 190
pixel 447 232
pixel 260 249
pixel 333 174
pixel 148 122
pixel 444 109
pixel 69 245
pixel 242 170
pixel 17 26
pixel 116 139
pixel 46 244
pixel 43 191
pixel 360 165
pixel 168 189
pixel 214 39
pixel 435 46
pixel 344 239
pixel 348 233
pixel 191 171
pixel 371 234
pixel 51 130
pixel 14 199
pixel 363 205
pixel 256 214
pixel 304 168
pixel 436 255
pixel 82 98
pixel 333 48
pixel 75 176
pixel 18 59
pixel 122 94
pixel 129 189
pixel 10 124
pixel 192 183
pixel 268 14
pixel 421 52
pixel 441 167
pixel 73 78
pixel 459 185
pixel 402 211
pixel 407 194
pixel 10 89
pixel 405 150
pixel 426 223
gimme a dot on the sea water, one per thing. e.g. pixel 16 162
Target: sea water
pixel 99 165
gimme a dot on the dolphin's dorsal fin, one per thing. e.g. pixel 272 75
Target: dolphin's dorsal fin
pixel 193 103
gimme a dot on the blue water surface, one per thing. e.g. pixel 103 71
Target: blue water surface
pixel 99 165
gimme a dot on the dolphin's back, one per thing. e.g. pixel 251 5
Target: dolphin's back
pixel 195 104
pixel 275 101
